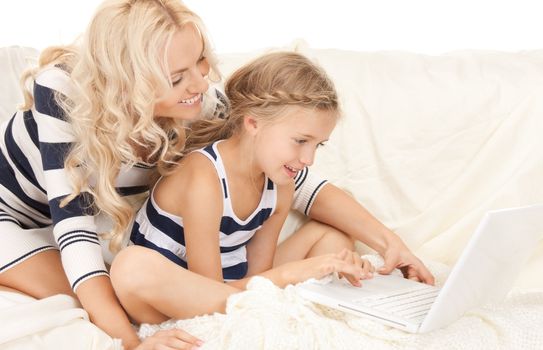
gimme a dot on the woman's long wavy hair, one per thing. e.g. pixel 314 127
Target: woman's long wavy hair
pixel 119 69
pixel 265 88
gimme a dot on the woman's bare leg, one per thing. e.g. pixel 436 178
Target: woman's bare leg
pixel 39 276
pixel 312 239
pixel 152 289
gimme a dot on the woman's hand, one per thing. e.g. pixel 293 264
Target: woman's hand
pixel 397 255
pixel 169 340
pixel 346 263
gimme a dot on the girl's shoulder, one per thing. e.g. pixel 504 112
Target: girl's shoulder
pixel 196 162
pixel 194 179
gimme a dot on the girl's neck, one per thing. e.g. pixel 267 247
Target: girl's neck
pixel 239 160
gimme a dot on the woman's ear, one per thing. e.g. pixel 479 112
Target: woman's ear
pixel 250 124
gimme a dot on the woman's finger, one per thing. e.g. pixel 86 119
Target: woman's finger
pixel 177 339
pixel 172 343
pixel 186 337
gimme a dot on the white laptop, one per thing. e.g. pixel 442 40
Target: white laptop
pixel 485 272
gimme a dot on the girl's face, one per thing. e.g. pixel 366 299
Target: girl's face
pixel 287 146
pixel 188 71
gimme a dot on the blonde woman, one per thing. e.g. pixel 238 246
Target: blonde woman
pixel 102 118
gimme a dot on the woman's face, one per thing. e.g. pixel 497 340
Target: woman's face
pixel 188 71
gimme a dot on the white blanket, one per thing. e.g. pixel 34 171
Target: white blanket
pixel 266 317
pixel 54 323
pixel 427 144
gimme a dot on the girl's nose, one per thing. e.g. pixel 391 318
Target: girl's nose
pixel 307 157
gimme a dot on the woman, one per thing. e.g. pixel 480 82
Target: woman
pixel 103 118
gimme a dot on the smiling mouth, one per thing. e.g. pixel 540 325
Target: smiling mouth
pixel 291 171
pixel 191 101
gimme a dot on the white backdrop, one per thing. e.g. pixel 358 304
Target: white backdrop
pixel 425 26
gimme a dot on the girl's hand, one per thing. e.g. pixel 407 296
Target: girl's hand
pixel 170 339
pixel 399 256
pixel 345 263
pixel 354 258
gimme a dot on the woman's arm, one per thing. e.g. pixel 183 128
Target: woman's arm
pixel 74 229
pixel 98 299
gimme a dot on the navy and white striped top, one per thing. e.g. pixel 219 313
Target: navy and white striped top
pixel 162 231
pixel 33 181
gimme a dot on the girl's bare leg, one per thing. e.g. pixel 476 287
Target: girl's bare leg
pixel 312 239
pixel 152 289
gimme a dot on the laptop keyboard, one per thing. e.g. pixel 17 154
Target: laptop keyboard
pixel 412 303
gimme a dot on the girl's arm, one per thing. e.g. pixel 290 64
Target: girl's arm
pixel 261 252
pixel 314 267
pixel 338 209
pixel 195 194
pixel 261 248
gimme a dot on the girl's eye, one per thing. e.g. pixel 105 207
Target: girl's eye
pixel 320 144
pixel 300 141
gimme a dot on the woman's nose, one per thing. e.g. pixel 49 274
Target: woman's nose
pixel 198 83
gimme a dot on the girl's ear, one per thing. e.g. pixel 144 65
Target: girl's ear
pixel 250 124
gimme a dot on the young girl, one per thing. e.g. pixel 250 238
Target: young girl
pixel 219 214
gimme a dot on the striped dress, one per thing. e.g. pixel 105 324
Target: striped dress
pixel 162 231
pixel 33 182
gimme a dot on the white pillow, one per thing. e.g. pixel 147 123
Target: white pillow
pixel 13 61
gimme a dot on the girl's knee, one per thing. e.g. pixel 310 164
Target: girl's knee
pixel 129 269
pixel 340 237
pixel 327 232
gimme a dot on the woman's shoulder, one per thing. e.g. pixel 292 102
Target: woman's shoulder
pixel 55 78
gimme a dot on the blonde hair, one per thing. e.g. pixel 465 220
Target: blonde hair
pixel 119 70
pixel 265 88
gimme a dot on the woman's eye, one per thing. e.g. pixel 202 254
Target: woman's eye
pixel 320 144
pixel 300 141
pixel 175 82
